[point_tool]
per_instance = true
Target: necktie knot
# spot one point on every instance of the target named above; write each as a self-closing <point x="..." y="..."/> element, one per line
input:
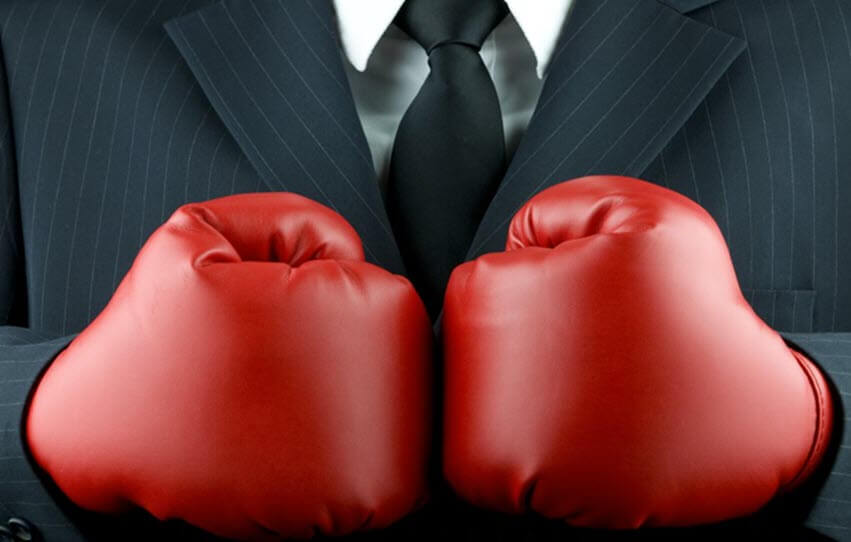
<point x="434" y="23"/>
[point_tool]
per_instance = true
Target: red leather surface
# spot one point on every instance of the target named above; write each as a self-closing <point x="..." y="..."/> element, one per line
<point x="251" y="375"/>
<point x="605" y="369"/>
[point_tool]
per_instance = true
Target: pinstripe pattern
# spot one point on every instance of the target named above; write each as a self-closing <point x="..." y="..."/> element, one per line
<point x="111" y="124"/>
<point x="22" y="355"/>
<point x="789" y="121"/>
<point x="302" y="138"/>
<point x="114" y="112"/>
<point x="625" y="80"/>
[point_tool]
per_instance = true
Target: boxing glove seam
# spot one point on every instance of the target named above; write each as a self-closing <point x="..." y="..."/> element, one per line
<point x="821" y="433"/>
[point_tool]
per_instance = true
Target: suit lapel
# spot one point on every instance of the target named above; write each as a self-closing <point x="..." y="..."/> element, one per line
<point x="685" y="6"/>
<point x="273" y="72"/>
<point x="626" y="76"/>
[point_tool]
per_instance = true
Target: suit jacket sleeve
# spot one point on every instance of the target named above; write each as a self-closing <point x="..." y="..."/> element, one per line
<point x="26" y="492"/>
<point x="828" y="495"/>
<point x="24" y="354"/>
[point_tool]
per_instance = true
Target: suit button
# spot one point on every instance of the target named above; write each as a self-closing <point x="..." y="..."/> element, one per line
<point x="20" y="529"/>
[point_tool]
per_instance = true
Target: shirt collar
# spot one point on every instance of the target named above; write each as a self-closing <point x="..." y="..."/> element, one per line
<point x="363" y="23"/>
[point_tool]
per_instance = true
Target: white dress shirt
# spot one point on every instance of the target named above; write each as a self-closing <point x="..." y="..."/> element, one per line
<point x="386" y="68"/>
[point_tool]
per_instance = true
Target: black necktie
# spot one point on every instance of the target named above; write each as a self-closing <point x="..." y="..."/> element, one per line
<point x="449" y="152"/>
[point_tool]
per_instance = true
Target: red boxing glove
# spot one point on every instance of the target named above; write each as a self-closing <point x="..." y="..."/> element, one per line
<point x="607" y="371"/>
<point x="252" y="375"/>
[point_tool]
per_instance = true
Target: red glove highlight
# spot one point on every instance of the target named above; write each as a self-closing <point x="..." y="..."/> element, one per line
<point x="252" y="375"/>
<point x="606" y="369"/>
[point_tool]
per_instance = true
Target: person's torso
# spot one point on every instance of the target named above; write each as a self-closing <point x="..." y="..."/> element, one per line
<point x="113" y="131"/>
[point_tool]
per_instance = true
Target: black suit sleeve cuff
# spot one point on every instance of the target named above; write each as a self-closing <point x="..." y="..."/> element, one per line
<point x="824" y="502"/>
<point x="25" y="493"/>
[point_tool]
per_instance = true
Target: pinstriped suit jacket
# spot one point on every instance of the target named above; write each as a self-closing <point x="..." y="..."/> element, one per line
<point x="115" y="112"/>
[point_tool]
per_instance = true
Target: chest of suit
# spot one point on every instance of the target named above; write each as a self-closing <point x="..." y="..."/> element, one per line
<point x="123" y="111"/>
